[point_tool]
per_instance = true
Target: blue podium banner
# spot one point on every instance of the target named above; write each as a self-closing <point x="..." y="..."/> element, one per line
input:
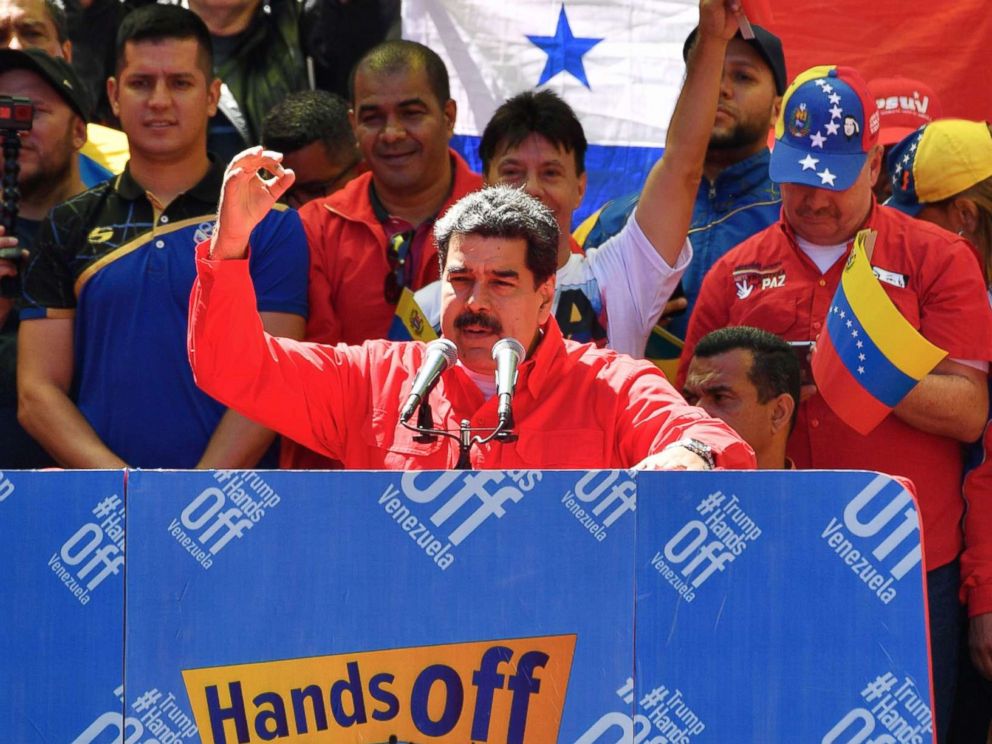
<point x="780" y="609"/>
<point x="520" y="607"/>
<point x="277" y="598"/>
<point x="60" y="650"/>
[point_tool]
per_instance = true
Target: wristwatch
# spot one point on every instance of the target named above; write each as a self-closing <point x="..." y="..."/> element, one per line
<point x="697" y="448"/>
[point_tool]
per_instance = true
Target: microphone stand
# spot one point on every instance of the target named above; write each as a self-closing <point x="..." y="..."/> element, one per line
<point x="465" y="436"/>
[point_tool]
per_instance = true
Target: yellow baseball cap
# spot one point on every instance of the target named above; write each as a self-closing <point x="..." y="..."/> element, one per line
<point x="938" y="161"/>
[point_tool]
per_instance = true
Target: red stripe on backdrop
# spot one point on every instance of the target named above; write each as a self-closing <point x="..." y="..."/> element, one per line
<point x="759" y="11"/>
<point x="855" y="406"/>
<point x="944" y="44"/>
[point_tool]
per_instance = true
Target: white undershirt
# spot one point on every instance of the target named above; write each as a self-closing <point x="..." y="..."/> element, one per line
<point x="485" y="382"/>
<point x="824" y="256"/>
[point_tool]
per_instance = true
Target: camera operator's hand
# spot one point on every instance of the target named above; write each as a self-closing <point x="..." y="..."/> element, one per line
<point x="9" y="253"/>
<point x="9" y="267"/>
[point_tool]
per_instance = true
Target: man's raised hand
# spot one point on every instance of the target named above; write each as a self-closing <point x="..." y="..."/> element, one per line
<point x="246" y="197"/>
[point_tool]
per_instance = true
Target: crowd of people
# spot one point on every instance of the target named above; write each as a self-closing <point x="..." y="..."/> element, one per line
<point x="212" y="240"/>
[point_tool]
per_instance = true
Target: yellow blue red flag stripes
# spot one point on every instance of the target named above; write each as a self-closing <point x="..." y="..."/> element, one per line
<point x="410" y="323"/>
<point x="869" y="356"/>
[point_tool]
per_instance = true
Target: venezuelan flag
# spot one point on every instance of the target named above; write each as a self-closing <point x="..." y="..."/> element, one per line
<point x="869" y="356"/>
<point x="410" y="323"/>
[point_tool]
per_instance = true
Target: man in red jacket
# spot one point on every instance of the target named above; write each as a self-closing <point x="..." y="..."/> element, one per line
<point x="373" y="237"/>
<point x="498" y="254"/>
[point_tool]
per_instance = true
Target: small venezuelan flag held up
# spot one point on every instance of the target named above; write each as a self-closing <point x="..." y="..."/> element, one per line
<point x="409" y="322"/>
<point x="869" y="356"/>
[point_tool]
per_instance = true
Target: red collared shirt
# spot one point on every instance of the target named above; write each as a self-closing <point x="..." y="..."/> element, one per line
<point x="348" y="260"/>
<point x="344" y="401"/>
<point x="768" y="282"/>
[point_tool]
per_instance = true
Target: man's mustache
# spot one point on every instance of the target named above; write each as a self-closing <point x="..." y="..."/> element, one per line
<point x="481" y="320"/>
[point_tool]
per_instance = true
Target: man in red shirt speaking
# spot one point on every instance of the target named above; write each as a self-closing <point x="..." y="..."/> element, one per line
<point x="574" y="406"/>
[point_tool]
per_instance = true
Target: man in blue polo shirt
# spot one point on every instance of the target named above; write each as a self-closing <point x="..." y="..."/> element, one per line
<point x="105" y="297"/>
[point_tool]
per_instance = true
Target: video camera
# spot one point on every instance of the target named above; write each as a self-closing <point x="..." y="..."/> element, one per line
<point x="16" y="116"/>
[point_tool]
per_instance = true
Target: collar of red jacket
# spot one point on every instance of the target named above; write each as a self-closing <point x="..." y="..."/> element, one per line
<point x="548" y="362"/>
<point x="353" y="203"/>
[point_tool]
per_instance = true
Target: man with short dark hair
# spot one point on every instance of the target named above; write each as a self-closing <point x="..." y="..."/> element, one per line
<point x="48" y="174"/>
<point x="372" y="238"/>
<point x="750" y="379"/>
<point x="736" y="198"/>
<point x="499" y="252"/>
<point x="106" y="296"/>
<point x="312" y="131"/>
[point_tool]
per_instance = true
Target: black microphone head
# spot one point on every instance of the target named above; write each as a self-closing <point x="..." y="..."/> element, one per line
<point x="447" y="348"/>
<point x="509" y="344"/>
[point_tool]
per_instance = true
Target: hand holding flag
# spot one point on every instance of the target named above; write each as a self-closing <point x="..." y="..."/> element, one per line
<point x="869" y="356"/>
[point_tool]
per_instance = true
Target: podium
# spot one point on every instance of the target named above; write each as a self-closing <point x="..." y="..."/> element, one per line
<point x="520" y="607"/>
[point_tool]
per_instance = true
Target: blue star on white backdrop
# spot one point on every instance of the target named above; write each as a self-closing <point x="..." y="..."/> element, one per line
<point x="564" y="51"/>
<point x="618" y="63"/>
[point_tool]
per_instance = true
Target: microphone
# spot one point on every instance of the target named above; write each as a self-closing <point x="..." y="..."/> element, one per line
<point x="441" y="354"/>
<point x="508" y="353"/>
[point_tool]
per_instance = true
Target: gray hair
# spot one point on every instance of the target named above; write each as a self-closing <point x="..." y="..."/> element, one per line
<point x="504" y="212"/>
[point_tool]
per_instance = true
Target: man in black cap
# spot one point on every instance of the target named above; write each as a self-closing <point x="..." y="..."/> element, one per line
<point x="736" y="197"/>
<point x="49" y="174"/>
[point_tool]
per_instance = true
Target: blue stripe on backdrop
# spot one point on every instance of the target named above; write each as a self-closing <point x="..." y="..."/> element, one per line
<point x="613" y="170"/>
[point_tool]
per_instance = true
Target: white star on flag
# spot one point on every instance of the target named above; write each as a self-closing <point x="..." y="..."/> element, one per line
<point x="817" y="139"/>
<point x="827" y="178"/>
<point x="899" y="169"/>
<point x="834" y="98"/>
<point x="912" y="148"/>
<point x="861" y="357"/>
<point x="835" y="112"/>
<point x="905" y="159"/>
<point x="861" y="370"/>
<point x="843" y="314"/>
<point x="820" y="82"/>
<point x="828" y="89"/>
<point x="854" y="334"/>
<point x="809" y="162"/>
<point x="859" y="344"/>
<point x="832" y="127"/>
<point x="850" y="323"/>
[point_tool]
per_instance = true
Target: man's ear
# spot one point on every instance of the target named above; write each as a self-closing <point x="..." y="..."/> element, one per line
<point x="112" y="96"/>
<point x="782" y="407"/>
<point x="546" y="291"/>
<point x="875" y="162"/>
<point x="78" y="132"/>
<point x="776" y="110"/>
<point x="213" y="95"/>
<point x="450" y="110"/>
<point x="583" y="181"/>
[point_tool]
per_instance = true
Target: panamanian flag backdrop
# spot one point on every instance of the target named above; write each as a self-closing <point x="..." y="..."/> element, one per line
<point x="618" y="63"/>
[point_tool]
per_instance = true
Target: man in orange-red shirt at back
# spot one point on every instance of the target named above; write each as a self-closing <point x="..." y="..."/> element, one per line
<point x="373" y="238"/>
